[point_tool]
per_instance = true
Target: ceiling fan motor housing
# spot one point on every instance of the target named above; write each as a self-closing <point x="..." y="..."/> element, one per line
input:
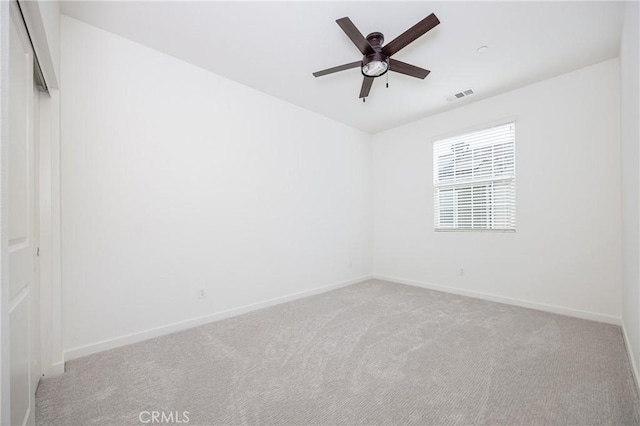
<point x="375" y="40"/>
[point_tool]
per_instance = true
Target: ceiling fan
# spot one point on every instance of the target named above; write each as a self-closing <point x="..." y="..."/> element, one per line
<point x="377" y="59"/>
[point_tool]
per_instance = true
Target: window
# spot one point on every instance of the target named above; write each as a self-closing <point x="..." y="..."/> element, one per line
<point x="475" y="180"/>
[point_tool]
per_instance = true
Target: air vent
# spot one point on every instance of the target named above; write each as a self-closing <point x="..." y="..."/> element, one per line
<point x="460" y="95"/>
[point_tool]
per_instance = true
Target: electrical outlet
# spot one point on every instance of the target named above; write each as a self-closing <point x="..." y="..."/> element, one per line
<point x="202" y="293"/>
<point x="461" y="271"/>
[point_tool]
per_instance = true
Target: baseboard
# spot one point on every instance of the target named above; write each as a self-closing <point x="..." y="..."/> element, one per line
<point x="56" y="369"/>
<point x="104" y="345"/>
<point x="632" y="359"/>
<point x="507" y="300"/>
<point x="52" y="370"/>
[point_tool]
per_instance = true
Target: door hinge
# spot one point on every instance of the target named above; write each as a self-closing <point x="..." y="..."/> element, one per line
<point x="38" y="251"/>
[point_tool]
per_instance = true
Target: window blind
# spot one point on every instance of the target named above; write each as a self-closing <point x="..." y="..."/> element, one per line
<point x="475" y="180"/>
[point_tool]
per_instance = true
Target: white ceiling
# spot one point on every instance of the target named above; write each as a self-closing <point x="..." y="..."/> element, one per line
<point x="275" y="46"/>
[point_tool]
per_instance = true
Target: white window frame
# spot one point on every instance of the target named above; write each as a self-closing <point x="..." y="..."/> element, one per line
<point x="471" y="183"/>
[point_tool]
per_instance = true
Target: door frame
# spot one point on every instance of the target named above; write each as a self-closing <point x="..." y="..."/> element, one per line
<point x="49" y="191"/>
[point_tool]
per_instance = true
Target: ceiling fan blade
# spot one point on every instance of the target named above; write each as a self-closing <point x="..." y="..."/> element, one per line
<point x="338" y="68"/>
<point x="407" y="69"/>
<point x="410" y="35"/>
<point x="355" y="35"/>
<point x="366" y="86"/>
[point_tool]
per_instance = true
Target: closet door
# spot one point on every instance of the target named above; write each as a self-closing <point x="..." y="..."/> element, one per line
<point x="24" y="357"/>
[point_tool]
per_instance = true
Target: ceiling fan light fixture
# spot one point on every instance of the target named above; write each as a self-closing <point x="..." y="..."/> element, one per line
<point x="375" y="68"/>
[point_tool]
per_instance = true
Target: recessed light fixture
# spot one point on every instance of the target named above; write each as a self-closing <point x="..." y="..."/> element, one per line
<point x="482" y="49"/>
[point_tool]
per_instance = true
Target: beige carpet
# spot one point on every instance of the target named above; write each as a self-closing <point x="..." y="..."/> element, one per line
<point x="370" y="353"/>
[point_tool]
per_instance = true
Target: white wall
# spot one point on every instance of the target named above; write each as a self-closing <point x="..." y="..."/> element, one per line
<point x="174" y="178"/>
<point x="566" y="251"/>
<point x="630" y="137"/>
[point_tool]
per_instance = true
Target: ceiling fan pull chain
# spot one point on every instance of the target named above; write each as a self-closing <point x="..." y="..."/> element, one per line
<point x="388" y="69"/>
